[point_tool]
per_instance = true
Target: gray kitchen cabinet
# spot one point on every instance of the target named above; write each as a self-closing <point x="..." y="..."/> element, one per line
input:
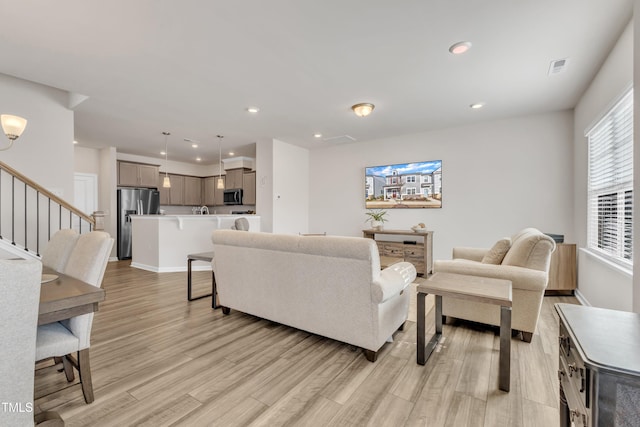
<point x="192" y="191"/>
<point x="249" y="188"/>
<point x="176" y="192"/>
<point x="209" y="185"/>
<point x="233" y="178"/>
<point x="164" y="192"/>
<point x="137" y="175"/>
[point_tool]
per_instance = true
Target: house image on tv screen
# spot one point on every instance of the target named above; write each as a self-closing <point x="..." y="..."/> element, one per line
<point x="406" y="185"/>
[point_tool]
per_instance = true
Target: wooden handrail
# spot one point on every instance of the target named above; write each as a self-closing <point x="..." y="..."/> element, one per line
<point x="47" y="193"/>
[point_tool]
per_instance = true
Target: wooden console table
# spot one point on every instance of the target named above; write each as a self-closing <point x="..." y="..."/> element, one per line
<point x="417" y="248"/>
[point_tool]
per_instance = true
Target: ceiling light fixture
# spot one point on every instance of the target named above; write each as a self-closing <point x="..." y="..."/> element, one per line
<point x="220" y="183"/>
<point x="194" y="145"/>
<point x="166" y="182"/>
<point x="13" y="126"/>
<point x="363" y="109"/>
<point x="477" y="105"/>
<point x="75" y="142"/>
<point x="460" y="48"/>
<point x="253" y="109"/>
<point x="198" y="159"/>
<point x="317" y="135"/>
<point x="231" y="153"/>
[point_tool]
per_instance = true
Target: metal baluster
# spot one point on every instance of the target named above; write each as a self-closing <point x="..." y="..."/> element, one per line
<point x="70" y="219"/>
<point x="80" y="225"/>
<point x="26" y="240"/>
<point x="13" y="210"/>
<point x="37" y="222"/>
<point x="48" y="219"/>
<point x="59" y="217"/>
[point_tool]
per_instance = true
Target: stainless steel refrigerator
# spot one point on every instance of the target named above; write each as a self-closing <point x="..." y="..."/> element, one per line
<point x="133" y="201"/>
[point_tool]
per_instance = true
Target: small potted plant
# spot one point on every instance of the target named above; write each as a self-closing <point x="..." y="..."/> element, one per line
<point x="376" y="218"/>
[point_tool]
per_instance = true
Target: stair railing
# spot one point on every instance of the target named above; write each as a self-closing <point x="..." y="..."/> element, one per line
<point x="30" y="214"/>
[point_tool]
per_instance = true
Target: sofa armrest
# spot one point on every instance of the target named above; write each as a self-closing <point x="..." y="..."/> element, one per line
<point x="392" y="281"/>
<point x="521" y="278"/>
<point x="473" y="254"/>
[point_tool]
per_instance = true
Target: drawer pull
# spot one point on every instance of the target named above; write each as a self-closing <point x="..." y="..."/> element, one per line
<point x="572" y="369"/>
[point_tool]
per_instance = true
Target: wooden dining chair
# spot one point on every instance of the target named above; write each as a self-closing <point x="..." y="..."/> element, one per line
<point x="56" y="254"/>
<point x="87" y="262"/>
<point x="19" y="300"/>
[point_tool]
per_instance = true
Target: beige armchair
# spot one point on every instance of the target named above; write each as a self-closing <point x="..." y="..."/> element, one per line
<point x="524" y="259"/>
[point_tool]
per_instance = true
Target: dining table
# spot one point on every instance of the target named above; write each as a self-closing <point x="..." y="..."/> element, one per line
<point x="63" y="297"/>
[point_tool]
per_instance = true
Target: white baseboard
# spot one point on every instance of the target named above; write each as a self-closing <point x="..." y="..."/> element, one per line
<point x="155" y="269"/>
<point x="581" y="298"/>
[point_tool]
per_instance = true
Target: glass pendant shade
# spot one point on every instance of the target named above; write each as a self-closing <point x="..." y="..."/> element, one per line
<point x="220" y="184"/>
<point x="166" y="182"/>
<point x="13" y="126"/>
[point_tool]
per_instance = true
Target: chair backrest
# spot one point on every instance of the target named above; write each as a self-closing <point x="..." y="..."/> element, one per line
<point x="241" y="224"/>
<point x="89" y="257"/>
<point x="19" y="300"/>
<point x="87" y="262"/>
<point x="56" y="254"/>
<point x="530" y="248"/>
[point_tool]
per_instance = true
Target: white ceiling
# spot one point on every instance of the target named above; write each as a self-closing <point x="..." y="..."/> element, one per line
<point x="192" y="67"/>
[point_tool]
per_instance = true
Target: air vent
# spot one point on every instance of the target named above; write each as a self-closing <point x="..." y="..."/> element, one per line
<point x="339" y="139"/>
<point x="557" y="66"/>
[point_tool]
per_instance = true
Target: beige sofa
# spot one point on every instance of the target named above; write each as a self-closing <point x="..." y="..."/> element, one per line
<point x="527" y="255"/>
<point x="330" y="286"/>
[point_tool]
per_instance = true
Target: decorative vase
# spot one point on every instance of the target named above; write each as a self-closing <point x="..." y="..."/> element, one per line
<point x="376" y="225"/>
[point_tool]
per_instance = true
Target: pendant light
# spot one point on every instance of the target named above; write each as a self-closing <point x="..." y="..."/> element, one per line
<point x="220" y="183"/>
<point x="166" y="182"/>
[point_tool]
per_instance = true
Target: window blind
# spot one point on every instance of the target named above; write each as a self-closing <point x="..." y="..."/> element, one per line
<point x="610" y="182"/>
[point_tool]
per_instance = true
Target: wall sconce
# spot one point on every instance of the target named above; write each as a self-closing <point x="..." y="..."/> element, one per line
<point x="166" y="182"/>
<point x="13" y="126"/>
<point x="363" y="109"/>
<point x="220" y="183"/>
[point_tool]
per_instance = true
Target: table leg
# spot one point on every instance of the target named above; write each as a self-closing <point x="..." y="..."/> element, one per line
<point x="425" y="350"/>
<point x="504" y="374"/>
<point x="189" y="261"/>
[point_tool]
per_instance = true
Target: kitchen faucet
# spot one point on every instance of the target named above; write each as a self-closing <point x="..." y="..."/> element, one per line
<point x="203" y="210"/>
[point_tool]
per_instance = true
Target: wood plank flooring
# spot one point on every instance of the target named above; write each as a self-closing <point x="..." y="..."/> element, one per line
<point x="157" y="359"/>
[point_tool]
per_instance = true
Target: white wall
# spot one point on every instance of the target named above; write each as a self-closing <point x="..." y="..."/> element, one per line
<point x="290" y="188"/>
<point x="599" y="283"/>
<point x="636" y="153"/>
<point x="86" y="160"/>
<point x="497" y="177"/>
<point x="264" y="183"/>
<point x="44" y="152"/>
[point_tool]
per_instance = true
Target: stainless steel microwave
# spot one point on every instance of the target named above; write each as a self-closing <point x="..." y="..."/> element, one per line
<point x="233" y="196"/>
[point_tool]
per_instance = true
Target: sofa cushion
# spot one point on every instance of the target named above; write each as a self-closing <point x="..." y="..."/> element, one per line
<point x="496" y="254"/>
<point x="530" y="249"/>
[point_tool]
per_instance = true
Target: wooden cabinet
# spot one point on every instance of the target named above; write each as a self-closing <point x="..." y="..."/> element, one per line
<point x="249" y="188"/>
<point x="176" y="192"/>
<point x="417" y="249"/>
<point x="209" y="188"/>
<point x="137" y="175"/>
<point x="233" y="178"/>
<point x="192" y="191"/>
<point x="562" y="270"/>
<point x="218" y="195"/>
<point x="164" y="192"/>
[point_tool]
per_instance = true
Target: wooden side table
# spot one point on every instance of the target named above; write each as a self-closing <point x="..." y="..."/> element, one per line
<point x="472" y="288"/>
<point x="562" y="270"/>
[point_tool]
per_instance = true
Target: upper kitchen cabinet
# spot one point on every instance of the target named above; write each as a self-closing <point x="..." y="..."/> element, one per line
<point x="249" y="188"/>
<point x="209" y="188"/>
<point x="137" y="175"/>
<point x="233" y="178"/>
<point x="192" y="191"/>
<point x="218" y="193"/>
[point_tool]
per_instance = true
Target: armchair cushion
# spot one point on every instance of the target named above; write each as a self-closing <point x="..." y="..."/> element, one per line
<point x="497" y="252"/>
<point x="473" y="254"/>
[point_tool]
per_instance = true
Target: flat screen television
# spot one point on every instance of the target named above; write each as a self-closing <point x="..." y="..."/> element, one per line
<point x="404" y="185"/>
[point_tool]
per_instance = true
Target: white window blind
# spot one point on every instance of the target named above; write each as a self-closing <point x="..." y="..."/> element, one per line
<point x="610" y="183"/>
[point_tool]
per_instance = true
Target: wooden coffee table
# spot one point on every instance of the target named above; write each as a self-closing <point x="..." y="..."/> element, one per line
<point x="472" y="288"/>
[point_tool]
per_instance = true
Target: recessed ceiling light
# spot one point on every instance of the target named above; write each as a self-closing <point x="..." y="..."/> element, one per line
<point x="460" y="48"/>
<point x="75" y="142"/>
<point x="253" y="109"/>
<point x="231" y="153"/>
<point x="317" y="135"/>
<point x="194" y="145"/>
<point x="198" y="159"/>
<point x="162" y="153"/>
<point x="477" y="105"/>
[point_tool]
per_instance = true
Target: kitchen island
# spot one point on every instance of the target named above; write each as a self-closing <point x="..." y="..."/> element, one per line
<point x="161" y="243"/>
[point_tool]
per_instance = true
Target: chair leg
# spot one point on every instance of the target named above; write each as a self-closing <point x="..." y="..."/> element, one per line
<point x="401" y="328"/>
<point x="68" y="368"/>
<point x="84" y="371"/>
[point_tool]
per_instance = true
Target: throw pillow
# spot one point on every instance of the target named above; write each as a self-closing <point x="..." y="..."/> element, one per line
<point x="497" y="252"/>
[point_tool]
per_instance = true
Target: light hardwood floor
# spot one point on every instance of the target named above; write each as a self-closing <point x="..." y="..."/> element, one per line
<point x="157" y="359"/>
